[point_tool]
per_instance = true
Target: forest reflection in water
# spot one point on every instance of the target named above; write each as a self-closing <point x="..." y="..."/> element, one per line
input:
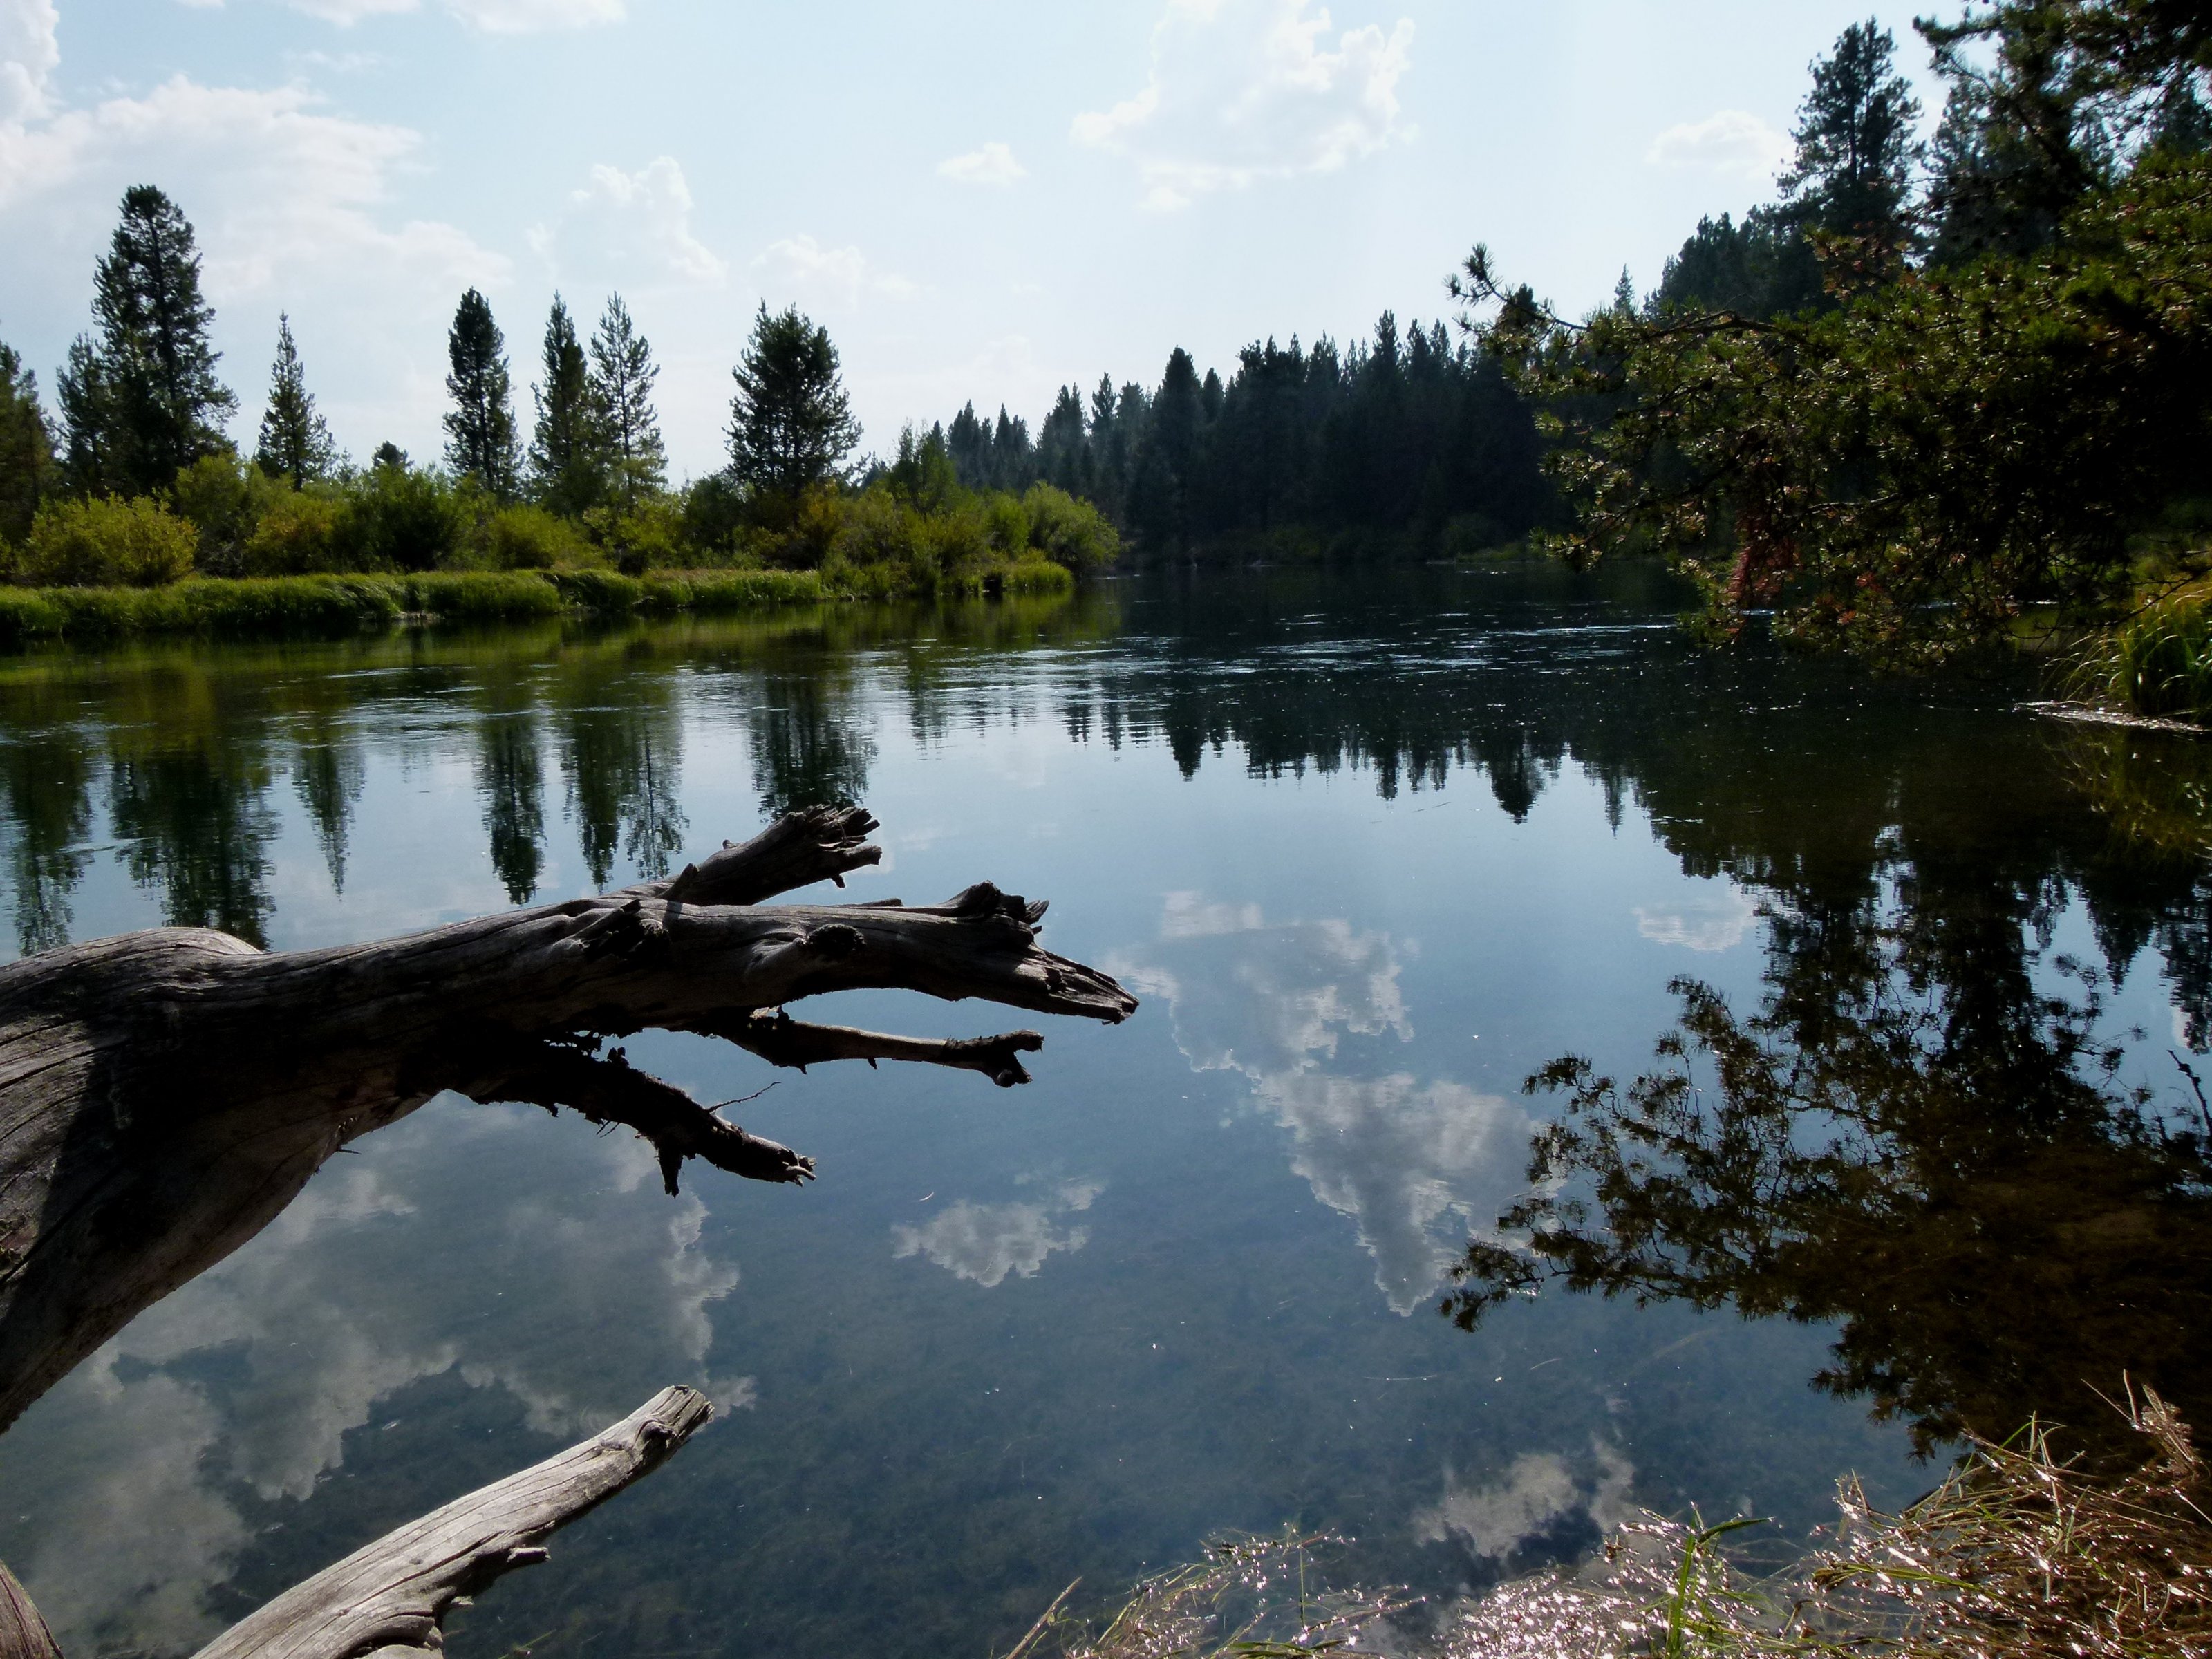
<point x="1904" y="1135"/>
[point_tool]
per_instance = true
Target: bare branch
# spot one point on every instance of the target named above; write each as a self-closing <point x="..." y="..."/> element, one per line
<point x="612" y="1091"/>
<point x="390" y="1597"/>
<point x="816" y="843"/>
<point x="782" y="1041"/>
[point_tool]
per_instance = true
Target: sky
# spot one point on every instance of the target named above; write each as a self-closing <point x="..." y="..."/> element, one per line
<point x="980" y="198"/>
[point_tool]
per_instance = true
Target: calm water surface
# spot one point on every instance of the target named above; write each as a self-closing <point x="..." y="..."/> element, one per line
<point x="1372" y="848"/>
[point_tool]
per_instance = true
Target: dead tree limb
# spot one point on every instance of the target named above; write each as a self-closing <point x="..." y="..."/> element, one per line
<point x="390" y="1598"/>
<point x="782" y="1041"/>
<point x="23" y="1634"/>
<point x="164" y="1094"/>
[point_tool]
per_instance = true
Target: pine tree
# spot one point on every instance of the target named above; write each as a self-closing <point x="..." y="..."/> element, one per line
<point x="26" y="447"/>
<point x="1855" y="143"/>
<point x="791" y="423"/>
<point x="88" y="466"/>
<point x="622" y="373"/>
<point x="565" y="464"/>
<point x="480" y="440"/>
<point x="139" y="397"/>
<point x="295" y="442"/>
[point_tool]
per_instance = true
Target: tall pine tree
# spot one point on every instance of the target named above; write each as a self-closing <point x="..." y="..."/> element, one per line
<point x="26" y="447"/>
<point x="791" y="424"/>
<point x="622" y="373"/>
<point x="1856" y="140"/>
<point x="139" y="395"/>
<point x="480" y="441"/>
<point x="567" y="471"/>
<point x="295" y="442"/>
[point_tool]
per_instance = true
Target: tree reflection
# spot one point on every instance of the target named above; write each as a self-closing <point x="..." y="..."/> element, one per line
<point x="196" y="825"/>
<point x="511" y="780"/>
<point x="1953" y="1173"/>
<point x="807" y="750"/>
<point x="622" y="752"/>
<point x="327" y="775"/>
<point x="45" y="779"/>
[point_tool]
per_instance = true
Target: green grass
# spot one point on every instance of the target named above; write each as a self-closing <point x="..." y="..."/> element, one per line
<point x="336" y="605"/>
<point x="2158" y="661"/>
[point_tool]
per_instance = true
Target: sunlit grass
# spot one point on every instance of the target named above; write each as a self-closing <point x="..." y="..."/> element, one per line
<point x="2158" y="661"/>
<point x="2021" y="1552"/>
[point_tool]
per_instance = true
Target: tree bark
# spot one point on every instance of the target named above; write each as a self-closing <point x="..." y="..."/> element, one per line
<point x="164" y="1094"/>
<point x="390" y="1598"/>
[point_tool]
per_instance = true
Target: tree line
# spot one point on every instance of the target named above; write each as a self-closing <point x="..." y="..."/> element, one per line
<point x="1408" y="441"/>
<point x="1934" y="391"/>
<point x="134" y="478"/>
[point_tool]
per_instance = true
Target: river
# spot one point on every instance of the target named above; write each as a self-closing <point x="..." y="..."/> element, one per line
<point x="1373" y="846"/>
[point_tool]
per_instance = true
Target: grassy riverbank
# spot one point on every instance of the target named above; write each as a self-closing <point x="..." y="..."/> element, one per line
<point x="325" y="606"/>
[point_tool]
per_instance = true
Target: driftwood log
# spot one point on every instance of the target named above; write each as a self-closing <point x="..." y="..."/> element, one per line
<point x="164" y="1095"/>
<point x="390" y="1597"/>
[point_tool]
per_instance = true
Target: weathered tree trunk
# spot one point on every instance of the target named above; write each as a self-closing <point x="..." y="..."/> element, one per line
<point x="390" y="1598"/>
<point x="164" y="1095"/>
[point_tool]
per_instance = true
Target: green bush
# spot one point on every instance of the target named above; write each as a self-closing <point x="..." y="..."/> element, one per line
<point x="298" y="534"/>
<point x="1069" y="532"/>
<point x="647" y="536"/>
<point x="713" y="510"/>
<point x="529" y="539"/>
<point x="397" y="519"/>
<point x="1005" y="524"/>
<point x="224" y="499"/>
<point x="106" y="542"/>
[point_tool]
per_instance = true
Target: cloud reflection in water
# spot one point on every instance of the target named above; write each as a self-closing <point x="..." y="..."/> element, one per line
<point x="1416" y="1166"/>
<point x="986" y="1242"/>
<point x="390" y="1269"/>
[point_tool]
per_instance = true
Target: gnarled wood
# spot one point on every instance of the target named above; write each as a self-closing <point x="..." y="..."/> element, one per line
<point x="164" y="1095"/>
<point x="392" y="1596"/>
<point x="23" y="1634"/>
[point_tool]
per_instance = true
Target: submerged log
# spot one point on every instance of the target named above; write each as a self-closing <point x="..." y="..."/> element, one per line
<point x="164" y="1094"/>
<point x="391" y="1598"/>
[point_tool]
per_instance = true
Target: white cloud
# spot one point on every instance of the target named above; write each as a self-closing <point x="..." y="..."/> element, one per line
<point x="492" y="16"/>
<point x="1244" y="90"/>
<point x="987" y="1242"/>
<point x="1734" y="140"/>
<point x="273" y="185"/>
<point x="28" y="53"/>
<point x="346" y="13"/>
<point x="994" y="164"/>
<point x="623" y="225"/>
<point x="288" y="201"/>
<point x="804" y="265"/>
<point x="1715" y="916"/>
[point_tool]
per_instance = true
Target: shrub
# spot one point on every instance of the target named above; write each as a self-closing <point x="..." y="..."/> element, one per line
<point x="649" y="534"/>
<point x="529" y="538"/>
<point x="1068" y="531"/>
<point x="297" y="535"/>
<point x="106" y="542"/>
<point x="713" y="510"/>
<point x="397" y="519"/>
<point x="224" y="499"/>
<point x="1006" y="524"/>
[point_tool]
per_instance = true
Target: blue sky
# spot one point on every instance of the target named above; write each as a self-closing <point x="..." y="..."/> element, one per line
<point x="981" y="199"/>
